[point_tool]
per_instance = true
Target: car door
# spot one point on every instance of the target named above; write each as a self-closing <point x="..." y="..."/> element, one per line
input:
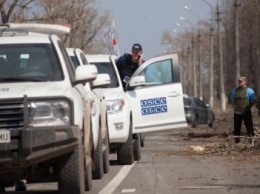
<point x="158" y="104"/>
<point x="203" y="111"/>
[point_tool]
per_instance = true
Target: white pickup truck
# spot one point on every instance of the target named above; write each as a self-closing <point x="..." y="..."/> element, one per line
<point x="153" y="102"/>
<point x="44" y="108"/>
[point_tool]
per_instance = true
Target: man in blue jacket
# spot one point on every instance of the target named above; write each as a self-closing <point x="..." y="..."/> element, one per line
<point x="128" y="63"/>
<point x="243" y="98"/>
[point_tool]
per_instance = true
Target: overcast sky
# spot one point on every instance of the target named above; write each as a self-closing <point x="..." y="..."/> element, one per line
<point x="144" y="21"/>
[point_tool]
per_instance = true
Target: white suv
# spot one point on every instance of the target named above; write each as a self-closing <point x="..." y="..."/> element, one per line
<point x="98" y="113"/>
<point x="45" y="114"/>
<point x="118" y="108"/>
<point x="141" y="108"/>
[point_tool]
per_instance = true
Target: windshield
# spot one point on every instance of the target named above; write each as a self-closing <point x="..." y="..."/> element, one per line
<point x="29" y="62"/>
<point x="106" y="67"/>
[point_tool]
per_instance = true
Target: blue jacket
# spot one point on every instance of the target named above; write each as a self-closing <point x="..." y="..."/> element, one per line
<point x="126" y="67"/>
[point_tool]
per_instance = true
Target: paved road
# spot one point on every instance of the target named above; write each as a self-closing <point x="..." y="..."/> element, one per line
<point x="166" y="169"/>
<point x="170" y="166"/>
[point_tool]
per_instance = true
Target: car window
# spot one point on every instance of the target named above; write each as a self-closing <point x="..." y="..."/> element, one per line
<point x="29" y="61"/>
<point x="199" y="102"/>
<point x="187" y="101"/>
<point x="107" y="67"/>
<point x="74" y="61"/>
<point x="158" y="73"/>
<point x="83" y="59"/>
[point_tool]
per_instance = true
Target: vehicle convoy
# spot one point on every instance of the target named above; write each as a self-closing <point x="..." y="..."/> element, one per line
<point x="99" y="131"/>
<point x="141" y="108"/>
<point x="45" y="111"/>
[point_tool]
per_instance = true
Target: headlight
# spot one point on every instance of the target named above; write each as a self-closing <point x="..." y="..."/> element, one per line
<point x="115" y="106"/>
<point x="49" y="113"/>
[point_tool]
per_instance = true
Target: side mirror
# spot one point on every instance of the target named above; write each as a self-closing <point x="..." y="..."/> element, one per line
<point x="101" y="81"/>
<point x="85" y="73"/>
<point x="137" y="81"/>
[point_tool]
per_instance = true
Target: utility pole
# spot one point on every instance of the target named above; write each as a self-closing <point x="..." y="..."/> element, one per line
<point x="200" y="72"/>
<point x="211" y="77"/>
<point x="221" y="69"/>
<point x="195" y="94"/>
<point x="211" y="66"/>
<point x="194" y="68"/>
<point x="189" y="72"/>
<point x="200" y="68"/>
<point x="237" y="50"/>
<point x="182" y="62"/>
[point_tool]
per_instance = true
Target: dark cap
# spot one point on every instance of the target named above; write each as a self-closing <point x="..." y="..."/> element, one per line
<point x="137" y="47"/>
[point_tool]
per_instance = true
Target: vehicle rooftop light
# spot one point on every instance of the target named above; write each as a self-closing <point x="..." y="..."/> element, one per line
<point x="38" y="28"/>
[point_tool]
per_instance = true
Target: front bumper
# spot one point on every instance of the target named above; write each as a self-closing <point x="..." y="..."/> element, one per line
<point x="118" y="128"/>
<point x="31" y="146"/>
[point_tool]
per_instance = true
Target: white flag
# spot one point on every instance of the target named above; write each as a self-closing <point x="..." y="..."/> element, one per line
<point x="112" y="40"/>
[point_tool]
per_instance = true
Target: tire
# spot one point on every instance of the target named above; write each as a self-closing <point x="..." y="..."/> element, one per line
<point x="106" y="154"/>
<point x="136" y="148"/>
<point x="71" y="172"/>
<point x="211" y="122"/>
<point x="98" y="171"/>
<point x="125" y="155"/>
<point x="142" y="139"/>
<point x="195" y="123"/>
<point x="88" y="160"/>
<point x="88" y="174"/>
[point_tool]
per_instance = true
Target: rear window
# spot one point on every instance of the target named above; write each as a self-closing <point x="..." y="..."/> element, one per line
<point x="29" y="61"/>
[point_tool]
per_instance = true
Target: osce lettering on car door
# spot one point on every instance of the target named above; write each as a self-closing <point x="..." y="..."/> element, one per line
<point x="156" y="95"/>
<point x="154" y="106"/>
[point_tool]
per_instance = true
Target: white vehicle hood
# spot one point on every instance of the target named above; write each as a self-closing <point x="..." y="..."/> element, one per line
<point x="32" y="89"/>
<point x="112" y="93"/>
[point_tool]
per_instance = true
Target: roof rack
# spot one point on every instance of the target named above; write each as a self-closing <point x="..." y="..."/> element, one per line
<point x="37" y="28"/>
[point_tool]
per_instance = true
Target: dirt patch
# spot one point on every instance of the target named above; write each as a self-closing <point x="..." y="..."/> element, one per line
<point x="217" y="141"/>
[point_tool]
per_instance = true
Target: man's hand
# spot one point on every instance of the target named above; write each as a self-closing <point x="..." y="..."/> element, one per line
<point x="137" y="57"/>
<point x="140" y="58"/>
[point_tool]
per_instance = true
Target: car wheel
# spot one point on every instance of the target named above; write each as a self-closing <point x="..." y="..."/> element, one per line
<point x="88" y="174"/>
<point x="71" y="172"/>
<point x="195" y="122"/>
<point x="106" y="154"/>
<point x="98" y="171"/>
<point x="142" y="137"/>
<point x="125" y="154"/>
<point x="136" y="148"/>
<point x="211" y="122"/>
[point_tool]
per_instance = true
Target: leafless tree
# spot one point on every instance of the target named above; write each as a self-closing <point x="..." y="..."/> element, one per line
<point x="249" y="46"/>
<point x="87" y="24"/>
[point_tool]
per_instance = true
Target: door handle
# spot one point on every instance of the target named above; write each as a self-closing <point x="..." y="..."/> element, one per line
<point x="173" y="94"/>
